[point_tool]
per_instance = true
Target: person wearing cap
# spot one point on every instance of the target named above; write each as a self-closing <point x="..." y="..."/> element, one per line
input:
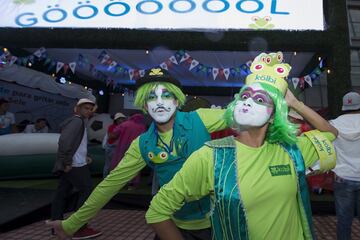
<point x="347" y="170"/>
<point x="171" y="138"/>
<point x="111" y="141"/>
<point x="257" y="179"/>
<point x="7" y="119"/>
<point x="72" y="164"/>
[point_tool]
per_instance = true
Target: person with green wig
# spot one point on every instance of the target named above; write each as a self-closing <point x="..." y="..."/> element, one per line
<point x="256" y="180"/>
<point x="168" y="142"/>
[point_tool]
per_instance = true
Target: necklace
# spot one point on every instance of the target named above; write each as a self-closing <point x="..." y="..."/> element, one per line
<point x="167" y="148"/>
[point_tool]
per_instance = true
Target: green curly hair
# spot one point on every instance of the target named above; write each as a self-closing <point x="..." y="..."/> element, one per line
<point x="143" y="92"/>
<point x="281" y="130"/>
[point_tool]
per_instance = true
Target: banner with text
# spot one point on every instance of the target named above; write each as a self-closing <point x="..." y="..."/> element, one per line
<point x="165" y="14"/>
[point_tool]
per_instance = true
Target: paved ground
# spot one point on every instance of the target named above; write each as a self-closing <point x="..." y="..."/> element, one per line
<point x="130" y="225"/>
<point x="115" y="224"/>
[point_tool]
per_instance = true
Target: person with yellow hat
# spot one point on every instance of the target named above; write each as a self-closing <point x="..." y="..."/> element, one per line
<point x="256" y="180"/>
<point x="171" y="138"/>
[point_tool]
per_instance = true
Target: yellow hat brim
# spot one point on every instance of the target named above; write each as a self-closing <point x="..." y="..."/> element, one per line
<point x="274" y="81"/>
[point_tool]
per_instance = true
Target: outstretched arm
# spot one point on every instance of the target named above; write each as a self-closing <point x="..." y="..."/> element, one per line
<point x="130" y="165"/>
<point x="309" y="115"/>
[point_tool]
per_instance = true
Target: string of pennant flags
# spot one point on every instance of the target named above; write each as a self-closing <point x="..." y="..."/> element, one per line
<point x="106" y="64"/>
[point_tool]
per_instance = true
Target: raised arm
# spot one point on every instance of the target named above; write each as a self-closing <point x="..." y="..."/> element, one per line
<point x="212" y="119"/>
<point x="309" y="115"/>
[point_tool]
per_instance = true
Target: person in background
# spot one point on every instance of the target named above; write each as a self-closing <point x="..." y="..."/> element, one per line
<point x="110" y="141"/>
<point x="7" y="119"/>
<point x="72" y="164"/>
<point x="347" y="170"/>
<point x="171" y="138"/>
<point x="257" y="179"/>
<point x="40" y="126"/>
<point x="126" y="133"/>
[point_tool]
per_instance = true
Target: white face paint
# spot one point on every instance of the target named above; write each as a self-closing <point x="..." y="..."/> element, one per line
<point x="161" y="104"/>
<point x="254" y="108"/>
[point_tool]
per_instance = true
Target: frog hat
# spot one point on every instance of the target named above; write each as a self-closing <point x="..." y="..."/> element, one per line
<point x="270" y="72"/>
<point x="269" y="69"/>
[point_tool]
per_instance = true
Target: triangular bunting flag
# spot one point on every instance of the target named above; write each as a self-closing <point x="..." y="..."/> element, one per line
<point x="295" y="82"/>
<point x="173" y="59"/>
<point x="47" y="61"/>
<point x="215" y="72"/>
<point x="164" y="66"/>
<point x="59" y="66"/>
<point x="226" y="73"/>
<point x="136" y="74"/>
<point x="193" y="64"/>
<point x="308" y="79"/>
<point x="105" y="59"/>
<point x="131" y="74"/>
<point x="185" y="57"/>
<point x="40" y="52"/>
<point x="317" y="71"/>
<point x="112" y="65"/>
<point x="51" y="65"/>
<point x="302" y="83"/>
<point x="12" y="60"/>
<point x="66" y="68"/>
<point x="72" y="66"/>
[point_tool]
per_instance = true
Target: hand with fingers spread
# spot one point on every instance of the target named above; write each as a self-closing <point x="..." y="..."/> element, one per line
<point x="59" y="231"/>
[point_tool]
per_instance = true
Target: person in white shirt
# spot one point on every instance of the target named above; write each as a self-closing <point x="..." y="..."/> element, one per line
<point x="7" y="119"/>
<point x="72" y="164"/>
<point x="347" y="170"/>
<point x="40" y="126"/>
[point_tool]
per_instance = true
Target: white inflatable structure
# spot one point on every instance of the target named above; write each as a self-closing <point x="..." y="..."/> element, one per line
<point x="28" y="143"/>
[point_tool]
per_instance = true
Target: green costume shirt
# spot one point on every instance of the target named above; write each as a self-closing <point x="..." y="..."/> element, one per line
<point x="128" y="168"/>
<point x="267" y="181"/>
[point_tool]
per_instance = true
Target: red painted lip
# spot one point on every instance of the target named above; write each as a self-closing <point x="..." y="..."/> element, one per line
<point x="245" y="110"/>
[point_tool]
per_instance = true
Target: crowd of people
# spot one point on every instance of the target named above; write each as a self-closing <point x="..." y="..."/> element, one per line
<point x="8" y="122"/>
<point x="251" y="173"/>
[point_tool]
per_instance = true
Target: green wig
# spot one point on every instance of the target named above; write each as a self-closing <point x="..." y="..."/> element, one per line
<point x="144" y="91"/>
<point x="280" y="130"/>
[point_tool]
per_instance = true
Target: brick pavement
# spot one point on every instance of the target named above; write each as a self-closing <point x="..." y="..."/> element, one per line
<point x="130" y="225"/>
